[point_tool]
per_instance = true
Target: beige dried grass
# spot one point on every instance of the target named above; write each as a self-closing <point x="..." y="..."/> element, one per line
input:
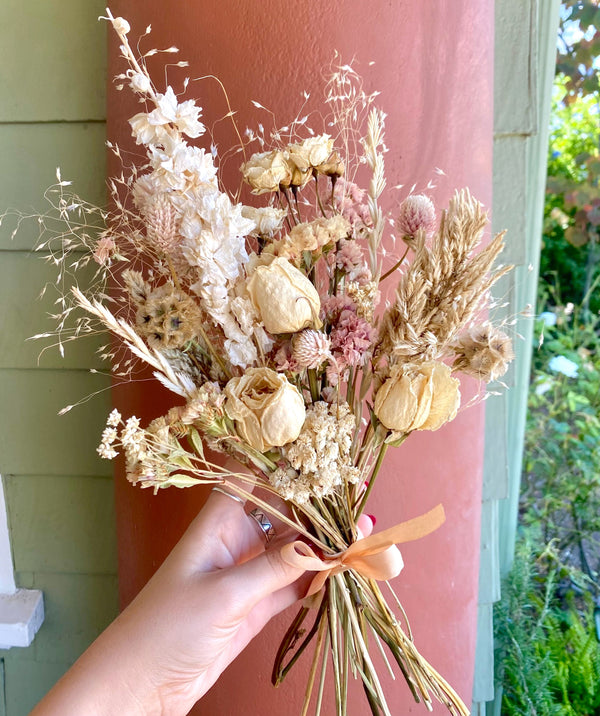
<point x="444" y="286"/>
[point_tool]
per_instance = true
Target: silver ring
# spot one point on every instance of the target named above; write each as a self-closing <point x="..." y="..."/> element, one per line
<point x="264" y="523"/>
<point x="216" y="488"/>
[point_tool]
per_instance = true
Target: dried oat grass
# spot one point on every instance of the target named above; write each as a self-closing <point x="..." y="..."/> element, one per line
<point x="444" y="287"/>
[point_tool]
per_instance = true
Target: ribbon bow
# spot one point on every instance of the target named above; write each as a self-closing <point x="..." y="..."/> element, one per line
<point x="374" y="557"/>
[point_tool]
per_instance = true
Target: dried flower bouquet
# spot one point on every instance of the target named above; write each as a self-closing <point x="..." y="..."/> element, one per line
<point x="263" y="320"/>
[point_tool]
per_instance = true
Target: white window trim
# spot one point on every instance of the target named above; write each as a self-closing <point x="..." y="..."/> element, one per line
<point x="21" y="610"/>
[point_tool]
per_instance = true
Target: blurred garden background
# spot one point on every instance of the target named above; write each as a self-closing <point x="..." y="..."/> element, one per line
<point x="547" y="625"/>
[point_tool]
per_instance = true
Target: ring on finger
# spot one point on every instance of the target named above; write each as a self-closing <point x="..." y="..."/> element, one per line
<point x="223" y="491"/>
<point x="264" y="523"/>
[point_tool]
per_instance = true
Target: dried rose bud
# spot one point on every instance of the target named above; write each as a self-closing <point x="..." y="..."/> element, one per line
<point x="311" y="153"/>
<point x="310" y="348"/>
<point x="417" y="213"/>
<point x="121" y="26"/>
<point x="268" y="410"/>
<point x="285" y="299"/>
<point x="483" y="353"/>
<point x="417" y="397"/>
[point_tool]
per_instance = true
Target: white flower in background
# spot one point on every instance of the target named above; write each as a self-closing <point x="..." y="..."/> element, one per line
<point x="183" y="115"/>
<point x="543" y="384"/>
<point x="548" y="318"/>
<point x="157" y="126"/>
<point x="562" y="364"/>
<point x="147" y="133"/>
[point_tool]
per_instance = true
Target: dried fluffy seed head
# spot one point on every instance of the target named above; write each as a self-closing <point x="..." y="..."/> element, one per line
<point x="483" y="353"/>
<point x="168" y="318"/>
<point x="365" y="296"/>
<point x="310" y="348"/>
<point x="417" y="213"/>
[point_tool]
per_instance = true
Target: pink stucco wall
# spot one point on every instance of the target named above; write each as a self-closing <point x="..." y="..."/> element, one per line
<point x="432" y="62"/>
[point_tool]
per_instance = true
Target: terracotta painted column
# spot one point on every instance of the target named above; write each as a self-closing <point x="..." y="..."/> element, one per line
<point x="432" y="61"/>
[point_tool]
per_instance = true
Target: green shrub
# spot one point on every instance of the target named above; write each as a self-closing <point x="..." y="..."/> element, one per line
<point x="547" y="653"/>
<point x="561" y="481"/>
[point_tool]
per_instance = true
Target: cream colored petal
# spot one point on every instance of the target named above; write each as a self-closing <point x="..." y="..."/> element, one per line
<point x="286" y="300"/>
<point x="396" y="404"/>
<point x="283" y="417"/>
<point x="422" y="387"/>
<point x="446" y="396"/>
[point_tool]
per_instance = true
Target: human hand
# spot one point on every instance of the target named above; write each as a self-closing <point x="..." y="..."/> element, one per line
<point x="212" y="595"/>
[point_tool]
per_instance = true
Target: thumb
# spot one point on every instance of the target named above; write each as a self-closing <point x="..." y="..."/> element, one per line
<point x="259" y="577"/>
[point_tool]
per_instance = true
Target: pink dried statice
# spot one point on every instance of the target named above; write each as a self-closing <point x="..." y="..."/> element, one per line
<point x="350" y="259"/>
<point x="332" y="306"/>
<point x="350" y="200"/>
<point x="284" y="359"/>
<point x="351" y="336"/>
<point x="417" y="213"/>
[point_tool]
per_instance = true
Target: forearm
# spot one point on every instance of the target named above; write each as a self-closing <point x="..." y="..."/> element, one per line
<point x="109" y="679"/>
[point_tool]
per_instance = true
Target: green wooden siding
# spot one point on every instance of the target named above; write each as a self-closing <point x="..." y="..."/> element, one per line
<point x="59" y="494"/>
<point x="525" y="49"/>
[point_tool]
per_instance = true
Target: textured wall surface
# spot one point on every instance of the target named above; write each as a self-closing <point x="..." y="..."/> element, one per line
<point x="433" y="63"/>
<point x="59" y="495"/>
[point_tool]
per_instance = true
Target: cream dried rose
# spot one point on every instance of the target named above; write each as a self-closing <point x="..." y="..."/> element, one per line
<point x="266" y="171"/>
<point x="417" y="397"/>
<point x="284" y="297"/>
<point x="312" y="152"/>
<point x="268" y="410"/>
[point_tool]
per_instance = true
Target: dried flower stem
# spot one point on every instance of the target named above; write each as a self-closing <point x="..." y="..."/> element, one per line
<point x="380" y="455"/>
<point x="394" y="267"/>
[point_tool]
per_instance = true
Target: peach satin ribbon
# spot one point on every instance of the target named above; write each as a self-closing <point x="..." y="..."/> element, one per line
<point x="374" y="557"/>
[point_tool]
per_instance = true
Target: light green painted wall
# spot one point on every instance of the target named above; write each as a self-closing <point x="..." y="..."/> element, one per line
<point x="525" y="50"/>
<point x="59" y="494"/>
